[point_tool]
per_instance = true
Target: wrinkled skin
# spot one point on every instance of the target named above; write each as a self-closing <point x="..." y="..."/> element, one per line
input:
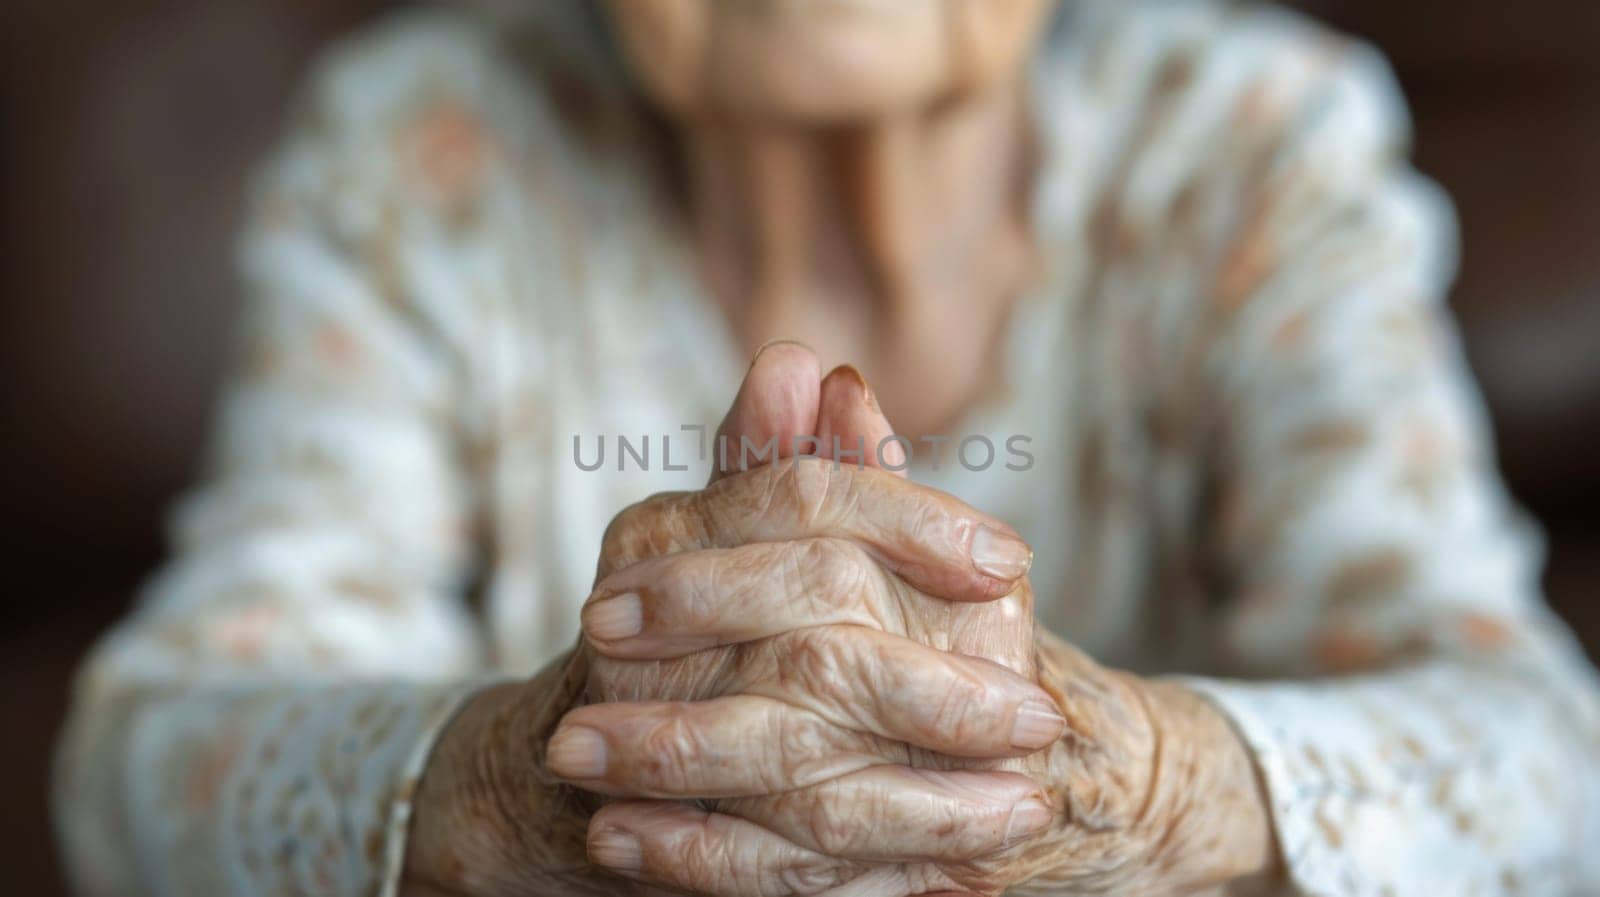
<point x="814" y="686"/>
<point x="820" y="696"/>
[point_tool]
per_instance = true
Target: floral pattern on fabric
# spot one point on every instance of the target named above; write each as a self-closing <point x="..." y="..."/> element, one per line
<point x="1261" y="463"/>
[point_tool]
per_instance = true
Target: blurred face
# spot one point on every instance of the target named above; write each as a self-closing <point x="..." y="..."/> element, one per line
<point x="821" y="61"/>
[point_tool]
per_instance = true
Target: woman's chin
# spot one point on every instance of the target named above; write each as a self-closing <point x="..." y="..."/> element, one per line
<point x="826" y="78"/>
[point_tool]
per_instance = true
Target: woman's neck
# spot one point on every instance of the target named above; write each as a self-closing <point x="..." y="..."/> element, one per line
<point x="861" y="239"/>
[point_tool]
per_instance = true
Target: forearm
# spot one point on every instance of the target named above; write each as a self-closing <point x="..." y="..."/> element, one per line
<point x="245" y="788"/>
<point x="1490" y="765"/>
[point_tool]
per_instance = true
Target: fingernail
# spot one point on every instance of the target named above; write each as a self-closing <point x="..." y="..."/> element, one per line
<point x="852" y="373"/>
<point x="1037" y="725"/>
<point x="614" y="618"/>
<point x="1000" y="555"/>
<point x="576" y="752"/>
<point x="615" y="849"/>
<point x="777" y="341"/>
<point x="860" y="379"/>
<point x="1027" y="819"/>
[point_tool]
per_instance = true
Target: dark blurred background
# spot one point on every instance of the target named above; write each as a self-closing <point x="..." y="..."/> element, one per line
<point x="129" y="125"/>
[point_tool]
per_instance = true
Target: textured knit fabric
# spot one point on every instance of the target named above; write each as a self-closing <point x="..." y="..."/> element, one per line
<point x="1258" y="459"/>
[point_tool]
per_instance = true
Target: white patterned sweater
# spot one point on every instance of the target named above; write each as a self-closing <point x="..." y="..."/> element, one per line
<point x="1260" y="461"/>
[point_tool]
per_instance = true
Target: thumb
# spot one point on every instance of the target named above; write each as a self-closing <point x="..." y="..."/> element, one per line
<point x="849" y="421"/>
<point x="776" y="403"/>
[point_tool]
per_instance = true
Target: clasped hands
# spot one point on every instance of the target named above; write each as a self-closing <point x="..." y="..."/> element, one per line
<point x="811" y="678"/>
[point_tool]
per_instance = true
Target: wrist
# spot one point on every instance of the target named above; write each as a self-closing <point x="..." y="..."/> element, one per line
<point x="1158" y="793"/>
<point x="488" y="818"/>
<point x="1207" y="797"/>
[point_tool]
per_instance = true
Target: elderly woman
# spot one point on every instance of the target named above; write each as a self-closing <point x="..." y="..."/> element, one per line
<point x="1174" y="273"/>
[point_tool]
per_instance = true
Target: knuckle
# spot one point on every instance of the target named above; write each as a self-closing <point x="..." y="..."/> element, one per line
<point x="730" y="581"/>
<point x="804" y="751"/>
<point x="984" y="876"/>
<point x="956" y="718"/>
<point x="786" y="871"/>
<point x="744" y="506"/>
<point x="617" y="537"/>
<point x="929" y="522"/>
<point x="808" y="488"/>
<point x="724" y="505"/>
<point x="844" y="571"/>
<point x="974" y="832"/>
<point x="629" y="534"/>
<point x="807" y="879"/>
<point x="724" y="862"/>
<point x="652" y="528"/>
<point x="791" y="497"/>
<point x="817" y="661"/>
<point x="669" y="753"/>
<point x="932" y="878"/>
<point x="830" y="834"/>
<point x="842" y="822"/>
<point x="829" y="575"/>
<point x="832" y="668"/>
<point x="689" y="585"/>
<point x="981" y="879"/>
<point x="706" y="855"/>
